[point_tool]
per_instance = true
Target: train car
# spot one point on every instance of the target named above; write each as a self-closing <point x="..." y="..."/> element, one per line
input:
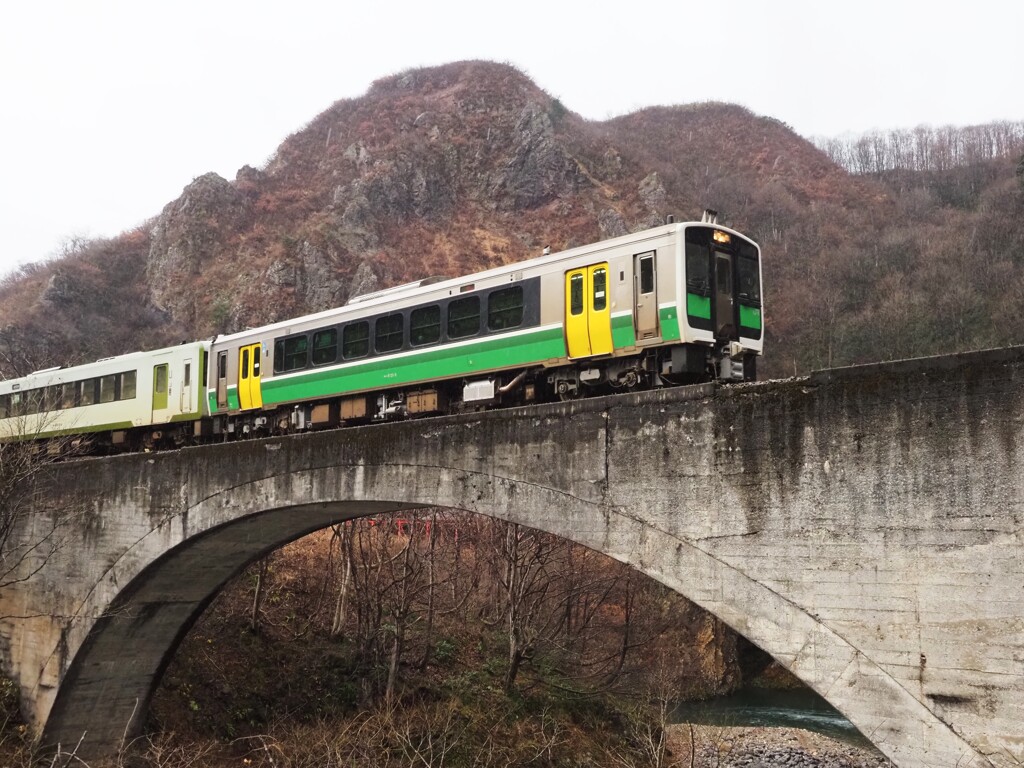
<point x="673" y="304"/>
<point x="141" y="399"/>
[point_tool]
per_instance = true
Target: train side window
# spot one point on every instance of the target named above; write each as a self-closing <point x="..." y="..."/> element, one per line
<point x="464" y="317"/>
<point x="296" y="353"/>
<point x="505" y="308"/>
<point x="355" y="340"/>
<point x="4" y="406"/>
<point x="425" y="325"/>
<point x="128" y="385"/>
<point x="647" y="274"/>
<point x="388" y="333"/>
<point x="325" y="346"/>
<point x="108" y="388"/>
<point x="88" y="393"/>
<point x="576" y="294"/>
<point x="69" y="395"/>
<point x="278" y="358"/>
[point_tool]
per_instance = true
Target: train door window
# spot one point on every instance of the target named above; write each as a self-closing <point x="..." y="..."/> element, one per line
<point x="128" y="385"/>
<point x="645" y="296"/>
<point x="160" y="387"/>
<point x="108" y="388"/>
<point x="185" y="399"/>
<point x="505" y="309"/>
<point x="464" y="317"/>
<point x="723" y="273"/>
<point x="244" y="372"/>
<point x="325" y="346"/>
<point x="425" y="325"/>
<point x="257" y="359"/>
<point x="15" y="408"/>
<point x="647" y="274"/>
<point x="296" y="355"/>
<point x="222" y="379"/>
<point x="355" y="340"/>
<point x="600" y="289"/>
<point x="576" y="294"/>
<point x="724" y="302"/>
<point x="387" y="333"/>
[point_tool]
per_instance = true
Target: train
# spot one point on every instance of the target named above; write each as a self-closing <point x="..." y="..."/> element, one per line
<point x="675" y="304"/>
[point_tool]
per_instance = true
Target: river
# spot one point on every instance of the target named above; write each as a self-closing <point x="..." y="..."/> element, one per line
<point x="797" y="708"/>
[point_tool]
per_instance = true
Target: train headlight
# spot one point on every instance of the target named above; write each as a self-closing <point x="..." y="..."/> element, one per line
<point x="721" y="237"/>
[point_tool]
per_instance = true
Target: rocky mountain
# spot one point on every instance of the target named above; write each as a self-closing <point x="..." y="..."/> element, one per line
<point x="456" y="168"/>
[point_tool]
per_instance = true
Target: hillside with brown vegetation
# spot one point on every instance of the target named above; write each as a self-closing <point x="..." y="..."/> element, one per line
<point x="873" y="249"/>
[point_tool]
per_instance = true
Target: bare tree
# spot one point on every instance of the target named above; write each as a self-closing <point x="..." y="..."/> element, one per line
<point x="26" y="545"/>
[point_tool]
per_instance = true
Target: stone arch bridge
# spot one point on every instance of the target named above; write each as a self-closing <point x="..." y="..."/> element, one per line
<point x="862" y="525"/>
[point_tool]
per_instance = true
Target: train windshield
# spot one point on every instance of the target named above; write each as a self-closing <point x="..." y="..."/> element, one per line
<point x="723" y="283"/>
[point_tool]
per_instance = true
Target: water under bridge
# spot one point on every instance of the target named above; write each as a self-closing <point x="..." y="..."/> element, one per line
<point x="861" y="525"/>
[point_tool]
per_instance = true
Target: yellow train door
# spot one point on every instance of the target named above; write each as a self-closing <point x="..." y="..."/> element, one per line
<point x="588" y="314"/>
<point x="249" y="394"/>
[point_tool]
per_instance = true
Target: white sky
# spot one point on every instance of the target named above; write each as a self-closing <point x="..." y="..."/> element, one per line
<point x="108" y="108"/>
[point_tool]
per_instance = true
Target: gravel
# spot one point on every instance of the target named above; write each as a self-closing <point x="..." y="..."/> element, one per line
<point x="723" y="747"/>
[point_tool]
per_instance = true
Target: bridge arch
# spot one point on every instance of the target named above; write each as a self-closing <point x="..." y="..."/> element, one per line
<point x="862" y="527"/>
<point x="106" y="691"/>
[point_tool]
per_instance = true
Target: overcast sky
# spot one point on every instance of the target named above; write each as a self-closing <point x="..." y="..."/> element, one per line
<point x="110" y="107"/>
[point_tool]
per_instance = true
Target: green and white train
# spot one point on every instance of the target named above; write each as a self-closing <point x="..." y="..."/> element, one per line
<point x="676" y="304"/>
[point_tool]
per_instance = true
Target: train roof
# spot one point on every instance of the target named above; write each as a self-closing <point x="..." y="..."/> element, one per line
<point x="432" y="285"/>
<point x="59" y="374"/>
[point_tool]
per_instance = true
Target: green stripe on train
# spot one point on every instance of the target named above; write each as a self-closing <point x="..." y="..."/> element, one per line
<point x="446" y="362"/>
<point x="114" y="425"/>
<point x="698" y="306"/>
<point x="669" y="323"/>
<point x="436" y="363"/>
<point x="750" y="317"/>
<point x="622" y="331"/>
